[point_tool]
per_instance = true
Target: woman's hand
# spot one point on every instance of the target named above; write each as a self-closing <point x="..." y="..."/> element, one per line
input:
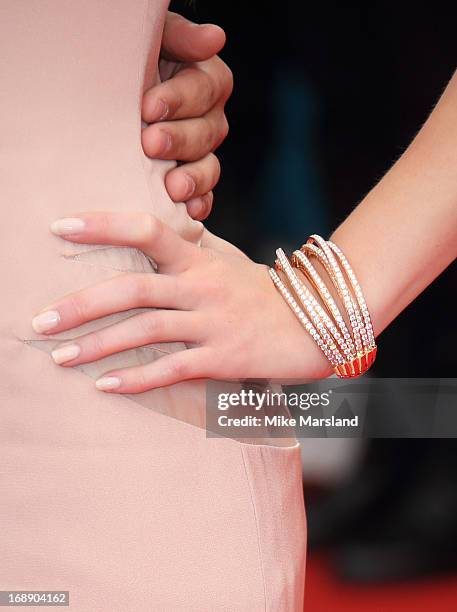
<point x="186" y="111"/>
<point x="221" y="303"/>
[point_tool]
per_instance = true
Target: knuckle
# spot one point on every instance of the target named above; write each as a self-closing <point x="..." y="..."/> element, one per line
<point x="173" y="289"/>
<point x="208" y="92"/>
<point x="104" y="224"/>
<point x="150" y="324"/>
<point x="227" y="82"/>
<point x="178" y="368"/>
<point x="98" y="344"/>
<point x="208" y="135"/>
<point x="222" y="131"/>
<point x="80" y="307"/>
<point x="140" y="379"/>
<point x="152" y="228"/>
<point x="138" y="289"/>
<point x="224" y="77"/>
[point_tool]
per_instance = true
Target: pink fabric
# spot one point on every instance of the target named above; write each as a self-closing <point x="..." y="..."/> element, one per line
<point x="117" y="499"/>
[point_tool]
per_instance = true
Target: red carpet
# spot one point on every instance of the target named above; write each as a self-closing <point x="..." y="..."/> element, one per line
<point x="324" y="593"/>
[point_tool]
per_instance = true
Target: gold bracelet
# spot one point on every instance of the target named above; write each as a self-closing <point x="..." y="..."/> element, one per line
<point x="307" y="324"/>
<point x="316" y="313"/>
<point x="351" y="351"/>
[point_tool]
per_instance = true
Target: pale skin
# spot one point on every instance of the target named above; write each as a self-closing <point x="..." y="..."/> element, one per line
<point x="398" y="239"/>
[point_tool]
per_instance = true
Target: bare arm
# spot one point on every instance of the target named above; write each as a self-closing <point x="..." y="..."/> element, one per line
<point x="404" y="233"/>
<point x="398" y="239"/>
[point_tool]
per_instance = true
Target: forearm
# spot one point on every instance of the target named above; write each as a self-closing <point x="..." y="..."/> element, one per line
<point x="404" y="233"/>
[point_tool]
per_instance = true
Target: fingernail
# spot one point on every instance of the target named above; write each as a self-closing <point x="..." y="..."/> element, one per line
<point x="67" y="226"/>
<point x="108" y="383"/>
<point x="161" y="110"/>
<point x="164" y="143"/>
<point x="190" y="186"/>
<point x="195" y="207"/>
<point x="65" y="353"/>
<point x="45" y="321"/>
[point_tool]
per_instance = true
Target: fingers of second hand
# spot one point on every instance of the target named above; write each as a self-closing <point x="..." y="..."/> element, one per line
<point x="193" y="179"/>
<point x="168" y="370"/>
<point x="205" y="172"/>
<point x="199" y="208"/>
<point x="185" y="41"/>
<point x="190" y="93"/>
<point x="190" y="139"/>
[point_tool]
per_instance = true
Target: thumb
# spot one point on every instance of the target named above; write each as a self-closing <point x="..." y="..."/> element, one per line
<point x="184" y="41"/>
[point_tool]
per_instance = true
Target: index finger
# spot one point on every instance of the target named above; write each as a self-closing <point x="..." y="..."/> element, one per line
<point x="139" y="230"/>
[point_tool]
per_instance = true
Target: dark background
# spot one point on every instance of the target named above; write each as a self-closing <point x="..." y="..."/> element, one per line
<point x="327" y="96"/>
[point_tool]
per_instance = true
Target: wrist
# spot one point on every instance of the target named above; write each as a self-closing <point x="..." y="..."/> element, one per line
<point x="348" y="345"/>
<point x="368" y="268"/>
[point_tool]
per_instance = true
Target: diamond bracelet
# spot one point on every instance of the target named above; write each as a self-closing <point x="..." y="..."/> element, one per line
<point x="350" y="349"/>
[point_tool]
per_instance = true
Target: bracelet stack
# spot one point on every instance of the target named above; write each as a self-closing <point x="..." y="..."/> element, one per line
<point x="348" y="343"/>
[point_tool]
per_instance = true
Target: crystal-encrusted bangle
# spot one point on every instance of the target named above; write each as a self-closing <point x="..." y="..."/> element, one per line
<point x="301" y="316"/>
<point x="351" y="351"/>
<point x="300" y="261"/>
<point x="371" y="344"/>
<point x="324" y="254"/>
<point x="315" y="312"/>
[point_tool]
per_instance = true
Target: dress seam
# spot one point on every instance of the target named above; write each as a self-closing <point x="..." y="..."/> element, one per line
<point x="256" y="520"/>
<point x="77" y="259"/>
<point x="32" y="341"/>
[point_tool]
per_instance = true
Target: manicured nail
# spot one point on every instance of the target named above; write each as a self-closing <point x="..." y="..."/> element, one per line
<point x="190" y="187"/>
<point x="45" y="321"/>
<point x="65" y="353"/>
<point x="108" y="383"/>
<point x="71" y="225"/>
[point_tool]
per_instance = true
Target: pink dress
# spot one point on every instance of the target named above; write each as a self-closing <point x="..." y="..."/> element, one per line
<point x="121" y="500"/>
